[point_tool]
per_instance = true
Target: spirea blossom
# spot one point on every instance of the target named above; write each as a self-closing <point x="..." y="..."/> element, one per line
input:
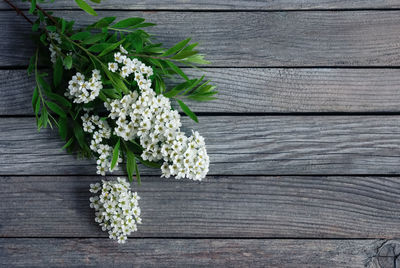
<point x="82" y="91"/>
<point x="117" y="208"/>
<point x="149" y="117"/>
<point x="53" y="37"/>
<point x="101" y="132"/>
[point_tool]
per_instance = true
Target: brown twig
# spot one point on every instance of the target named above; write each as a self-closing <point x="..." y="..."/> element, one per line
<point x="19" y="12"/>
<point x="46" y="14"/>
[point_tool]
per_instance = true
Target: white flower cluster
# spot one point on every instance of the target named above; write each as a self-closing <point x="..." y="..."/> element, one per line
<point x="101" y="131"/>
<point x="55" y="37"/>
<point x="82" y="91"/>
<point x="150" y="118"/>
<point x="117" y="208"/>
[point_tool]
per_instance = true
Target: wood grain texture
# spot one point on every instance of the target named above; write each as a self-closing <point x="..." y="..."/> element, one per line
<point x="226" y="5"/>
<point x="248" y="39"/>
<point x="261" y="90"/>
<point x="187" y="253"/>
<point x="246" y="207"/>
<point x="237" y="145"/>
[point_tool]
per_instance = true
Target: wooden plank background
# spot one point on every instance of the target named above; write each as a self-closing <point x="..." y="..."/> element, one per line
<point x="304" y="143"/>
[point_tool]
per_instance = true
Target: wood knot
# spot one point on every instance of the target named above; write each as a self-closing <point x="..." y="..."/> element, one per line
<point x="387" y="255"/>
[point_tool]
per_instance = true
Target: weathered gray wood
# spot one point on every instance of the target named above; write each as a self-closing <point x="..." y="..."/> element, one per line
<point x="237" y="145"/>
<point x="247" y="39"/>
<point x="258" y="207"/>
<point x="187" y="253"/>
<point x="261" y="90"/>
<point x="226" y="4"/>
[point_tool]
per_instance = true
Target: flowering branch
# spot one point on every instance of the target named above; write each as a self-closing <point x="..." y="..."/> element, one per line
<point x="107" y="95"/>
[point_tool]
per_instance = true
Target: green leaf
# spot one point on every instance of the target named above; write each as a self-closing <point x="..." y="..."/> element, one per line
<point x="69" y="142"/>
<point x="111" y="47"/>
<point x="46" y="87"/>
<point x="58" y="71"/>
<point x="115" y="155"/>
<point x="80" y="36"/>
<point x="187" y="111"/>
<point x="176" y="48"/>
<point x="130" y="22"/>
<point x="35" y="99"/>
<point x="88" y="9"/>
<point x="98" y="47"/>
<point x="80" y="135"/>
<point x="176" y="69"/>
<point x="94" y="38"/>
<point x="63" y="127"/>
<point x="203" y="97"/>
<point x="68" y="62"/>
<point x="51" y="28"/>
<point x="63" y="25"/>
<point x="60" y="99"/>
<point x="96" y="1"/>
<point x="197" y="59"/>
<point x="55" y="108"/>
<point x="130" y="164"/>
<point x="44" y="117"/>
<point x="104" y="22"/>
<point x="179" y="88"/>
<point x="33" y="6"/>
<point x="184" y="54"/>
<point x="149" y="163"/>
<point x="31" y="66"/>
<point x="35" y="27"/>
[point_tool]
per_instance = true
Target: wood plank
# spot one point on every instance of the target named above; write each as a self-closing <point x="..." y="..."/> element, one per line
<point x="262" y="145"/>
<point x="248" y="39"/>
<point x="188" y="253"/>
<point x="257" y="207"/>
<point x="226" y="5"/>
<point x="261" y="90"/>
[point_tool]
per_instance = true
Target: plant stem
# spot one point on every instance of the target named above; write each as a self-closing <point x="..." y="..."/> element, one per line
<point x="19" y="12"/>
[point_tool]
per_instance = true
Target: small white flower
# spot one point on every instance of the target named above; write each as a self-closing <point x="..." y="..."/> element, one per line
<point x="113" y="66"/>
<point x="117" y="210"/>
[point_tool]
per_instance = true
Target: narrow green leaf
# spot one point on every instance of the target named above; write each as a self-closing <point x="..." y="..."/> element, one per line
<point x="130" y="22"/>
<point x="115" y="155"/>
<point x="88" y="9"/>
<point x="177" y="69"/>
<point x="46" y="87"/>
<point x="63" y="25"/>
<point x="35" y="27"/>
<point x="58" y="71"/>
<point x="97" y="48"/>
<point x="130" y="164"/>
<point x="31" y="66"/>
<point x="184" y="54"/>
<point x="176" y="48"/>
<point x="33" y="6"/>
<point x="68" y="62"/>
<point x="45" y="117"/>
<point x="51" y="28"/>
<point x="80" y="135"/>
<point x="149" y="163"/>
<point x="179" y="88"/>
<point x="96" y="1"/>
<point x="69" y="142"/>
<point x="55" y="108"/>
<point x="104" y="22"/>
<point x="187" y="111"/>
<point x="111" y="48"/>
<point x="94" y="38"/>
<point x="63" y="127"/>
<point x="63" y="101"/>
<point x="35" y="98"/>
<point x="80" y="36"/>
